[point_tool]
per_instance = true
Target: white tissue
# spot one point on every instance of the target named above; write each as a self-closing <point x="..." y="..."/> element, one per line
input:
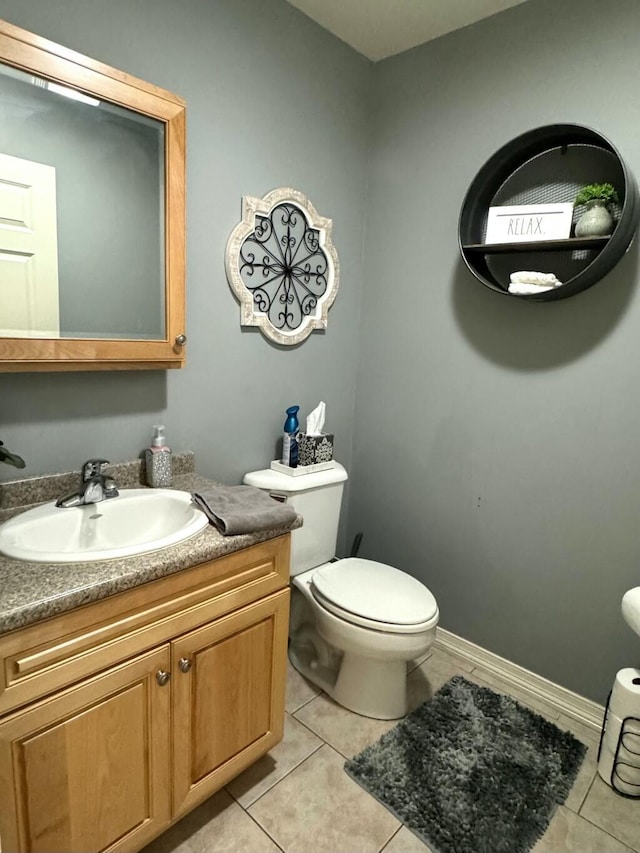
<point x="624" y="702"/>
<point x="315" y="421"/>
<point x="625" y="695"/>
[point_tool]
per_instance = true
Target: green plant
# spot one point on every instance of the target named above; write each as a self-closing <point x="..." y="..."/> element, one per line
<point x="605" y="193"/>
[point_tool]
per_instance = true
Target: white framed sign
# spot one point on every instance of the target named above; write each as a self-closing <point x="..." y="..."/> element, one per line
<point x="528" y="223"/>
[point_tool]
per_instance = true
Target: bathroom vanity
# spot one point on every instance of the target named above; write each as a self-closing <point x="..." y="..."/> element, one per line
<point x="120" y="714"/>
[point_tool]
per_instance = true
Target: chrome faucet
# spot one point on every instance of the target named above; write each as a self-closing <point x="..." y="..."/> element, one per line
<point x="95" y="486"/>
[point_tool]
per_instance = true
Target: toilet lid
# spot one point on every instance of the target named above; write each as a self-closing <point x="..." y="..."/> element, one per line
<point x="374" y="591"/>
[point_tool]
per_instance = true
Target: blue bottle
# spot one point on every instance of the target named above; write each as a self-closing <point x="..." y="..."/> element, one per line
<point x="290" y="439"/>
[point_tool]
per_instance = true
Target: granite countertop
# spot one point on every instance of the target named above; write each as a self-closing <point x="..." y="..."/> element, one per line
<point x="30" y="592"/>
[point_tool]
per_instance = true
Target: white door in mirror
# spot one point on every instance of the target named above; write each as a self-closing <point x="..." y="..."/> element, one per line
<point x="136" y="522"/>
<point x="28" y="249"/>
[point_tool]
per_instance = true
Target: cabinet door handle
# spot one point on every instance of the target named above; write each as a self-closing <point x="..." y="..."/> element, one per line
<point x="184" y="664"/>
<point x="162" y="677"/>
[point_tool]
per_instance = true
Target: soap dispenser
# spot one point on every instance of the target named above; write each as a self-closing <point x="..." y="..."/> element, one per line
<point x="158" y="460"/>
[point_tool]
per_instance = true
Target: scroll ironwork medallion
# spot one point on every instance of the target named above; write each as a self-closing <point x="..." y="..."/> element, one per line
<point x="282" y="266"/>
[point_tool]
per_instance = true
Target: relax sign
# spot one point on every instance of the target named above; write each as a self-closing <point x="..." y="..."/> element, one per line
<point x="529" y="223"/>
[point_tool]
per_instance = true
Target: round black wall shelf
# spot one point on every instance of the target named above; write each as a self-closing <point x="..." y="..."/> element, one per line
<point x="544" y="166"/>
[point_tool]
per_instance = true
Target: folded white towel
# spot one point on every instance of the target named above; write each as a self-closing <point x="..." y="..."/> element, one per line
<point x="544" y="279"/>
<point x="522" y="288"/>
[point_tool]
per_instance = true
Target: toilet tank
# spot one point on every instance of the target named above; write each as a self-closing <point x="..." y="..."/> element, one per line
<point x="317" y="498"/>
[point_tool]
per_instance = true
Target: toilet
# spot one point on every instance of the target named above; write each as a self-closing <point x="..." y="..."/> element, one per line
<point x="354" y="623"/>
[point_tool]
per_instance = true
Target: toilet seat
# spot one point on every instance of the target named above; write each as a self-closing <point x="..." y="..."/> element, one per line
<point x="374" y="595"/>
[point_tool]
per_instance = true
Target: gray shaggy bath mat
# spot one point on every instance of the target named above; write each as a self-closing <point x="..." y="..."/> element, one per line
<point x="471" y="771"/>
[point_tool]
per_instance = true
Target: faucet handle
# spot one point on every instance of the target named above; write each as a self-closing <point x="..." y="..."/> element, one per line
<point x="93" y="468"/>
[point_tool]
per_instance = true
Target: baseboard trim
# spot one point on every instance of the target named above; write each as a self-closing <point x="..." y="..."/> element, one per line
<point x="568" y="703"/>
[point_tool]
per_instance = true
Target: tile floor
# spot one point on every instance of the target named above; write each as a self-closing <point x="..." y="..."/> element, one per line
<point x="298" y="799"/>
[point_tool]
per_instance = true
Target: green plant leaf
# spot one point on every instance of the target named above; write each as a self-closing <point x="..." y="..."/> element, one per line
<point x="597" y="192"/>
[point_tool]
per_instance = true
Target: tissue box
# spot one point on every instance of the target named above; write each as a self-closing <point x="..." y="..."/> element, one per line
<point x="313" y="449"/>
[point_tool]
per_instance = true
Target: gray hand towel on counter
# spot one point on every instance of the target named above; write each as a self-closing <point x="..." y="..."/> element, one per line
<point x="242" y="509"/>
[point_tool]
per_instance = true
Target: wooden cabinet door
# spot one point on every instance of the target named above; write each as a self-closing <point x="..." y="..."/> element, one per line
<point x="88" y="769"/>
<point x="228" y="689"/>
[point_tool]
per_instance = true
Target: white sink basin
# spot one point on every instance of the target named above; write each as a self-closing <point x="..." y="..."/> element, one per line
<point x="135" y="522"/>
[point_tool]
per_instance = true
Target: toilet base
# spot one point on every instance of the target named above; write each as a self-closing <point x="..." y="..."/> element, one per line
<point x="371" y="688"/>
<point x="363" y="670"/>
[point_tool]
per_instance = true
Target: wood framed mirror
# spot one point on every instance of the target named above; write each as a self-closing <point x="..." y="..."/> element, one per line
<point x="92" y="213"/>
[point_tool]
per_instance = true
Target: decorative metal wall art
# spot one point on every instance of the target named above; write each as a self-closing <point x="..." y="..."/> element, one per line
<point x="282" y="266"/>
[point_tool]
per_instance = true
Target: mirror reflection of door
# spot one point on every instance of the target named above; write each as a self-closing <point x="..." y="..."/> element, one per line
<point x="29" y="304"/>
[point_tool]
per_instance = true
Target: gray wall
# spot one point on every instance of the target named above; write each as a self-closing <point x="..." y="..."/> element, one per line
<point x="272" y="100"/>
<point x="497" y="442"/>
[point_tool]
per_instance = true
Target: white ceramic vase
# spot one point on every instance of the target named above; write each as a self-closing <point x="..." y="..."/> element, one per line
<point x="596" y="221"/>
